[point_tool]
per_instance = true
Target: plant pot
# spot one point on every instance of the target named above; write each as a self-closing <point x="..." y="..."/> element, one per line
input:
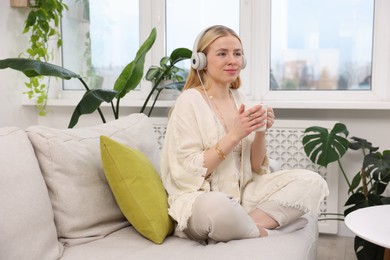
<point x="167" y="94"/>
<point x="19" y="3"/>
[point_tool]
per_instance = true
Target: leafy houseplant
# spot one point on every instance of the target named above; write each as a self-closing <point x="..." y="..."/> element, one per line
<point x="167" y="71"/>
<point x="366" y="188"/>
<point x="43" y="22"/>
<point x="128" y="80"/>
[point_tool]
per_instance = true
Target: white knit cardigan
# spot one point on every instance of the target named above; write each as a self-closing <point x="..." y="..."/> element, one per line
<point x="193" y="128"/>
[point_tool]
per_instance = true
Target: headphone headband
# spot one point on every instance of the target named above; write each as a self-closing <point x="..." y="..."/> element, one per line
<point x="197" y="39"/>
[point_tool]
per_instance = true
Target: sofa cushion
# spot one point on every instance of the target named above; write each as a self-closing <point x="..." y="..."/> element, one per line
<point x="137" y="188"/>
<point x="27" y="229"/>
<point x="83" y="204"/>
<point x="128" y="244"/>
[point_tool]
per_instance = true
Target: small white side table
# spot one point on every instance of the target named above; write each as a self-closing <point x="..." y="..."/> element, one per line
<point x="371" y="224"/>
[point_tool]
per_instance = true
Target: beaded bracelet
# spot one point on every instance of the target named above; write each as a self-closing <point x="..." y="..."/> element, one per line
<point x="219" y="152"/>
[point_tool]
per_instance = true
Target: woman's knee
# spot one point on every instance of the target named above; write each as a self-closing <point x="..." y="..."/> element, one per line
<point x="316" y="180"/>
<point x="214" y="205"/>
<point x="217" y="216"/>
<point x="311" y="178"/>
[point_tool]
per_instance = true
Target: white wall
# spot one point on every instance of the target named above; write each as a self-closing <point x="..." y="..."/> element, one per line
<point x="11" y="44"/>
<point x="373" y="125"/>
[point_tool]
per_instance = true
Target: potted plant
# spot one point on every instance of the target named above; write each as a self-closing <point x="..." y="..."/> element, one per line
<point x="128" y="79"/>
<point x="166" y="71"/>
<point x="167" y="75"/>
<point x="366" y="188"/>
<point x="43" y="22"/>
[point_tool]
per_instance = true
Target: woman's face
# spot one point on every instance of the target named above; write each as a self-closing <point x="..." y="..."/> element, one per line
<point x="224" y="60"/>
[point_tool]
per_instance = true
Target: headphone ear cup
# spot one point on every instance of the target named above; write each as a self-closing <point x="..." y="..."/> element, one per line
<point x="243" y="62"/>
<point x="198" y="61"/>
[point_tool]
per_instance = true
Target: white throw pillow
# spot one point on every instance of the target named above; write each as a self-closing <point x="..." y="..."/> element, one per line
<point x="83" y="204"/>
<point x="27" y="229"/>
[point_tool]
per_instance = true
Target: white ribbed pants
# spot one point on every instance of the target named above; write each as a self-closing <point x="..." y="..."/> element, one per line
<point x="221" y="218"/>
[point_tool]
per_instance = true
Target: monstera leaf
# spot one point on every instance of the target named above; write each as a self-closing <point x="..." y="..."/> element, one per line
<point x="360" y="143"/>
<point x="323" y="147"/>
<point x="369" y="183"/>
<point x="377" y="166"/>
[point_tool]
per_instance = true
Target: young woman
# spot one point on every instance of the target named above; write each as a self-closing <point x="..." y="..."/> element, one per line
<point x="214" y="163"/>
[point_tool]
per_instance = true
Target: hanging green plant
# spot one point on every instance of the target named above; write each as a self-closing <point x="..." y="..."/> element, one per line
<point x="43" y="22"/>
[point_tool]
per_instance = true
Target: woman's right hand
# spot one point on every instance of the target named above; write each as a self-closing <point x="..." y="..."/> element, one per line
<point x="247" y="121"/>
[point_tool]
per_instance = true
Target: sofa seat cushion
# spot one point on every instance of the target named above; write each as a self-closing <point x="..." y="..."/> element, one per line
<point x="129" y="244"/>
<point x="27" y="229"/>
<point x="137" y="188"/>
<point x="84" y="206"/>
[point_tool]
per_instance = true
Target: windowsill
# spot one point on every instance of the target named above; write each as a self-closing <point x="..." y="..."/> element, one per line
<point x="347" y="105"/>
<point x="123" y="103"/>
<point x="365" y="105"/>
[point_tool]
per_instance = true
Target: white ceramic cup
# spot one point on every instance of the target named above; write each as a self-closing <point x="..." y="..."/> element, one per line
<point x="263" y="106"/>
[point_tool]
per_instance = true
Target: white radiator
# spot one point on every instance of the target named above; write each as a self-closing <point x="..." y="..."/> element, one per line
<point x="284" y="144"/>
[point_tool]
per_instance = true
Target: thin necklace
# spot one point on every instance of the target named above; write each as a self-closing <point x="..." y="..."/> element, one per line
<point x="237" y="148"/>
<point x="220" y="114"/>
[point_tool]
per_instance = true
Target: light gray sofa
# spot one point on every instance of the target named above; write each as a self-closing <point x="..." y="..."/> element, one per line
<point x="56" y="203"/>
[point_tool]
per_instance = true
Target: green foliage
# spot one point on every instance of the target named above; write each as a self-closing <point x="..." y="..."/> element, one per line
<point x="43" y="23"/>
<point x="32" y="68"/>
<point x="367" y="186"/>
<point x="92" y="99"/>
<point x="127" y="81"/>
<point x="166" y="71"/>
<point x="135" y="69"/>
<point x="366" y="250"/>
<point x="323" y="147"/>
<point x="90" y="102"/>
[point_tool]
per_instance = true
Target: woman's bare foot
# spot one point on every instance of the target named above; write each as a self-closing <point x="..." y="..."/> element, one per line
<point x="261" y="218"/>
<point x="262" y="231"/>
<point x="291" y="227"/>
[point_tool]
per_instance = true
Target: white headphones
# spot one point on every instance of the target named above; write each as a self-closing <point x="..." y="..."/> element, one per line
<point x="198" y="59"/>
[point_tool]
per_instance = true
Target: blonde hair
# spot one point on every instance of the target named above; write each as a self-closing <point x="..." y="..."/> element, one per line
<point x="208" y="37"/>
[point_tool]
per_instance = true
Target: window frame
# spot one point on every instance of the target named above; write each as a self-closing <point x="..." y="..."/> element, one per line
<point x="377" y="98"/>
<point x="255" y="30"/>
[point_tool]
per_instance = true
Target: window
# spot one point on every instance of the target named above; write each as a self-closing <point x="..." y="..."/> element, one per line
<point x="182" y="31"/>
<point x="301" y="53"/>
<point x="313" y="50"/>
<point x="375" y="97"/>
<point x="100" y="38"/>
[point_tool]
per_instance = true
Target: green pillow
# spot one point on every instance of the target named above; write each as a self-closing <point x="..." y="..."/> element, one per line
<point x="137" y="188"/>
